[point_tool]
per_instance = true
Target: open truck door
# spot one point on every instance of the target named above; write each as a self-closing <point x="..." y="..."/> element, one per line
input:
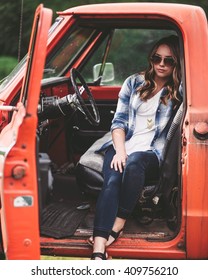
<point x="55" y="149"/>
<point x="19" y="176"/>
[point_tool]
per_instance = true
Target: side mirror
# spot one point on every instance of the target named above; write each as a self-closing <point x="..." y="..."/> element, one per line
<point x="107" y="75"/>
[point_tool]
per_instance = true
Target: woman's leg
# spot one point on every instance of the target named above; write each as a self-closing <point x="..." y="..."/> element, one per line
<point x="107" y="203"/>
<point x="106" y="207"/>
<point x="139" y="165"/>
<point x="120" y="193"/>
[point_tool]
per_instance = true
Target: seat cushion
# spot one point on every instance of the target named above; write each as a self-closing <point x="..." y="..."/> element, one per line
<point x="92" y="159"/>
<point x="89" y="169"/>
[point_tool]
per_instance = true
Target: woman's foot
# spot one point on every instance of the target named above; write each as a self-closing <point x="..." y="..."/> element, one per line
<point x="115" y="233"/>
<point x="90" y="240"/>
<point x="99" y="252"/>
<point x="117" y="230"/>
<point x="99" y="256"/>
<point x="112" y="238"/>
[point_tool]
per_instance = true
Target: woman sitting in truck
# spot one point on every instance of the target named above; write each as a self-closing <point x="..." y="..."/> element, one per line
<point x="146" y="103"/>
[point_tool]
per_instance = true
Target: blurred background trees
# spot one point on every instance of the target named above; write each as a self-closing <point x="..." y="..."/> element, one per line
<point x="16" y="23"/>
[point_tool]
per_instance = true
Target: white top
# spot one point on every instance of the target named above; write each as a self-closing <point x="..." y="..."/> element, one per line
<point x="145" y="126"/>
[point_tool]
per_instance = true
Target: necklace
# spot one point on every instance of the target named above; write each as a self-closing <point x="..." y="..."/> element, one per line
<point x="150" y="123"/>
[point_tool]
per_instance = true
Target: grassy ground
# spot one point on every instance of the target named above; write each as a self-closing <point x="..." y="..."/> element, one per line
<point x="61" y="258"/>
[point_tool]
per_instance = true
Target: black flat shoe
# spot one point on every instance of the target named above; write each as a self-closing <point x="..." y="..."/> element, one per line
<point x="100" y="255"/>
<point x="115" y="234"/>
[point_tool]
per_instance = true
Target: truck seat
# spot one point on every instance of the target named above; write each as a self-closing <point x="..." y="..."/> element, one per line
<point x="89" y="170"/>
<point x="90" y="179"/>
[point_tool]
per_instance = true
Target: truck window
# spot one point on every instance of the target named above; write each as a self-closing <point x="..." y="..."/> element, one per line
<point x="128" y="53"/>
<point x="66" y="51"/>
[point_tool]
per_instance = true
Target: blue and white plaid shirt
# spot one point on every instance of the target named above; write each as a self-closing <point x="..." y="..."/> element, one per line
<point x="125" y="116"/>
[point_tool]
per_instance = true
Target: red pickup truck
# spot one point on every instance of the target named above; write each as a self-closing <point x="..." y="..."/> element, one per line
<point x="56" y="107"/>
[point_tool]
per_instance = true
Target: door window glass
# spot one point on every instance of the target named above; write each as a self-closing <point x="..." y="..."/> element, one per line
<point x="66" y="51"/>
<point x="127" y="54"/>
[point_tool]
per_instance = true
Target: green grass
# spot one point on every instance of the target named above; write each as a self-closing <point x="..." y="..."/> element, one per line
<point x="43" y="257"/>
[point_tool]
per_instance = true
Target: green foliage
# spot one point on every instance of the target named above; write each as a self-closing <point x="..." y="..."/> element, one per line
<point x="16" y="26"/>
<point x="6" y="65"/>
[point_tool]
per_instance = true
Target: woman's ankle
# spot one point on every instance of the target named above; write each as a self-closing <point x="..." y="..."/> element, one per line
<point x="99" y="244"/>
<point x="118" y="224"/>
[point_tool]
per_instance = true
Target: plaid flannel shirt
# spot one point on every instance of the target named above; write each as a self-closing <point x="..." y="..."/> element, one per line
<point x="125" y="116"/>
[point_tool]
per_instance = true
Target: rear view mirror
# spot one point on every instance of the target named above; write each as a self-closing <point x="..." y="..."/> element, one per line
<point x="107" y="75"/>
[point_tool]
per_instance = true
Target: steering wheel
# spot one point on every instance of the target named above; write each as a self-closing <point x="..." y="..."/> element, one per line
<point x="94" y="116"/>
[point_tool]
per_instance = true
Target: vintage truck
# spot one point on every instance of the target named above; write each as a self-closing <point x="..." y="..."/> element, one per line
<point x="58" y="104"/>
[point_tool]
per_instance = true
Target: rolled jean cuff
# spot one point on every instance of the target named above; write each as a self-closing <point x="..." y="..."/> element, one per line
<point x="123" y="213"/>
<point x="100" y="233"/>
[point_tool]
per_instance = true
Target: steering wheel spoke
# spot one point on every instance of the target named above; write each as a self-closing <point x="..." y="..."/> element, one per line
<point x="81" y="90"/>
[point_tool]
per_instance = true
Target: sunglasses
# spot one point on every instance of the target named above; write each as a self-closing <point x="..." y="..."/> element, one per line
<point x="168" y="61"/>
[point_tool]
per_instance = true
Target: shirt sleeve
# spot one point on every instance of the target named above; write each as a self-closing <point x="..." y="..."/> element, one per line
<point x="121" y="116"/>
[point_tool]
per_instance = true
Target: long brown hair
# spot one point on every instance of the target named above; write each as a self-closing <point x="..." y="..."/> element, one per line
<point x="173" y="83"/>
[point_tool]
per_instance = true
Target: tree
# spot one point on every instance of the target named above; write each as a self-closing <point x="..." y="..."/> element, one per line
<point x="16" y="27"/>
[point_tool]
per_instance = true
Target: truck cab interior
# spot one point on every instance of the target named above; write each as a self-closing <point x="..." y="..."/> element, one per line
<point x="97" y="56"/>
<point x="82" y="77"/>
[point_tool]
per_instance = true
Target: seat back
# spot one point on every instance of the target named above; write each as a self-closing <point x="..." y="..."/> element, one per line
<point x="169" y="184"/>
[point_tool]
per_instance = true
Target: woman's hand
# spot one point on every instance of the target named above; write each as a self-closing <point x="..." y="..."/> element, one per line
<point x="119" y="161"/>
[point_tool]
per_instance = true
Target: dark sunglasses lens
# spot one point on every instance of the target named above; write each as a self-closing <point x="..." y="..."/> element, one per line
<point x="169" y="61"/>
<point x="156" y="59"/>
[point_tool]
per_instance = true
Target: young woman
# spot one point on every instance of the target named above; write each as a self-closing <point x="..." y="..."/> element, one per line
<point x="139" y="128"/>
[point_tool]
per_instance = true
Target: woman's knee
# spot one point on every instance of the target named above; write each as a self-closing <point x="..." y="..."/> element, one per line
<point x="141" y="162"/>
<point x="137" y="156"/>
<point x="112" y="182"/>
<point x="135" y="160"/>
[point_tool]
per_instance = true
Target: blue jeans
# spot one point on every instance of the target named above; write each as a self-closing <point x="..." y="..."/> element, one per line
<point x="120" y="191"/>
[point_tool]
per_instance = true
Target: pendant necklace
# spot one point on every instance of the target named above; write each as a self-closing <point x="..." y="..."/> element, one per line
<point x="150" y="123"/>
